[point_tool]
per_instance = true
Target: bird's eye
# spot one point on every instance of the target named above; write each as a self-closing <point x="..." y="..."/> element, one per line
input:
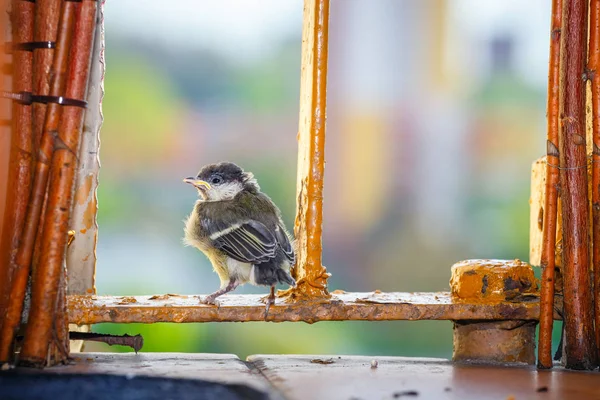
<point x="215" y="180"/>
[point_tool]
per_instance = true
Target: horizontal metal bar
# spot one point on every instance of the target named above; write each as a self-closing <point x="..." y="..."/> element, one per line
<point x="342" y="306"/>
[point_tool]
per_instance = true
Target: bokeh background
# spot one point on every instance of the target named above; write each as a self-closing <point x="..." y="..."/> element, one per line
<point x="435" y="107"/>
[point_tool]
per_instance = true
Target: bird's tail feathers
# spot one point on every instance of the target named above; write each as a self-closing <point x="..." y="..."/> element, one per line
<point x="285" y="277"/>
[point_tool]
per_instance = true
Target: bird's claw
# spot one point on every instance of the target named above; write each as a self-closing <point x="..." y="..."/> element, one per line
<point x="269" y="301"/>
<point x="211" y="301"/>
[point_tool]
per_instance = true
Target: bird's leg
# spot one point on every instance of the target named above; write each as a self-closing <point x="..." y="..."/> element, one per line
<point x="212" y="298"/>
<point x="270" y="301"/>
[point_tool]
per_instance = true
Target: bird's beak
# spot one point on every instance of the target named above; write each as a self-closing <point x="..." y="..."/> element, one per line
<point x="197" y="183"/>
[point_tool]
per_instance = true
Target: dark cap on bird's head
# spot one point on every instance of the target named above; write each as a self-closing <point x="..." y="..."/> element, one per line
<point x="222" y="181"/>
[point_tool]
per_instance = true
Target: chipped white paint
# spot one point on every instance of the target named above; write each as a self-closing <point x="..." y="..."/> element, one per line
<point x="81" y="255"/>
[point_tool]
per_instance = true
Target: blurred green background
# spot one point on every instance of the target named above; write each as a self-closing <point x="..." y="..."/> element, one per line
<point x="436" y="110"/>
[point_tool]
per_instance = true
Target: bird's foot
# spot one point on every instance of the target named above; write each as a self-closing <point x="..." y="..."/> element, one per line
<point x="210" y="300"/>
<point x="269" y="301"/>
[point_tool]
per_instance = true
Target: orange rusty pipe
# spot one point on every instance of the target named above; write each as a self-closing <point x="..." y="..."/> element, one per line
<point x="20" y="167"/>
<point x="593" y="66"/>
<point x="22" y="263"/>
<point x="45" y="30"/>
<point x="309" y="271"/>
<point x="48" y="275"/>
<point x="580" y="343"/>
<point x="551" y="200"/>
<point x="46" y="11"/>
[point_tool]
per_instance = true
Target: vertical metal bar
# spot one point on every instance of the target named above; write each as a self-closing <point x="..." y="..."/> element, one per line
<point x="46" y="28"/>
<point x="580" y="346"/>
<point x="593" y="66"/>
<point x="48" y="275"/>
<point x="81" y="253"/>
<point x="310" y="274"/>
<point x="5" y="141"/>
<point x="20" y="166"/>
<point x="551" y="198"/>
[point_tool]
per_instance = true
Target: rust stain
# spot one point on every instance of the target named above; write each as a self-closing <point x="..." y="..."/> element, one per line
<point x="89" y="215"/>
<point x="127" y="300"/>
<point x="83" y="230"/>
<point x="83" y="191"/>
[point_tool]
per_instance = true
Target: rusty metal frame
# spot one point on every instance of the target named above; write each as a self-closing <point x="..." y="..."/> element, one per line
<point x="310" y="301"/>
<point x="341" y="306"/>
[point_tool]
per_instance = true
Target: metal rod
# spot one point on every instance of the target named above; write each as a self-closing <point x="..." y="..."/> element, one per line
<point x="21" y="265"/>
<point x="551" y="199"/>
<point x="47" y="276"/>
<point x="81" y="255"/>
<point x="593" y="71"/>
<point x="309" y="272"/>
<point x="580" y="346"/>
<point x="373" y="306"/>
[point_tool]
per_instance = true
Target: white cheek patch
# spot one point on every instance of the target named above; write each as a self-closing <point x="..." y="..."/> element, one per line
<point x="226" y="191"/>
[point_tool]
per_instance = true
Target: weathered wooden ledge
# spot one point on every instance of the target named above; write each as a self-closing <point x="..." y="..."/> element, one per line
<point x="371" y="306"/>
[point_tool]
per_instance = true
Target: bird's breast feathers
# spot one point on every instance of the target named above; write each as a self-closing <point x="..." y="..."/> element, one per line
<point x="192" y="235"/>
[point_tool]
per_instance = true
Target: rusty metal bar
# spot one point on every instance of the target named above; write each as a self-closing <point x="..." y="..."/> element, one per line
<point x="551" y="198"/>
<point x="5" y="140"/>
<point x="580" y="344"/>
<point x="22" y="261"/>
<point x="20" y="159"/>
<point x="81" y="254"/>
<point x="593" y="71"/>
<point x="46" y="279"/>
<point x="310" y="274"/>
<point x="45" y="30"/>
<point x="341" y="306"/>
<point x="21" y="143"/>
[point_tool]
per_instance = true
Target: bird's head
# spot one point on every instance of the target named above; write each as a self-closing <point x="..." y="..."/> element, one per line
<point x="222" y="181"/>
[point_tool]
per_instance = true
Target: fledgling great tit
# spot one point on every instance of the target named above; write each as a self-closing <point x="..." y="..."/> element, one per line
<point x="239" y="229"/>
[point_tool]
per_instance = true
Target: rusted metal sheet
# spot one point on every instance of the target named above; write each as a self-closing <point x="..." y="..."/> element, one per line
<point x="81" y="254"/>
<point x="309" y="272"/>
<point x="371" y="306"/>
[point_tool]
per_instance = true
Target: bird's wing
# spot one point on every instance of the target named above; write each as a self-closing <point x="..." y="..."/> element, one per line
<point x="284" y="242"/>
<point x="250" y="242"/>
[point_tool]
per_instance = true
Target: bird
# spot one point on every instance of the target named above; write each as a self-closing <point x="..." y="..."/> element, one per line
<point x="240" y="230"/>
